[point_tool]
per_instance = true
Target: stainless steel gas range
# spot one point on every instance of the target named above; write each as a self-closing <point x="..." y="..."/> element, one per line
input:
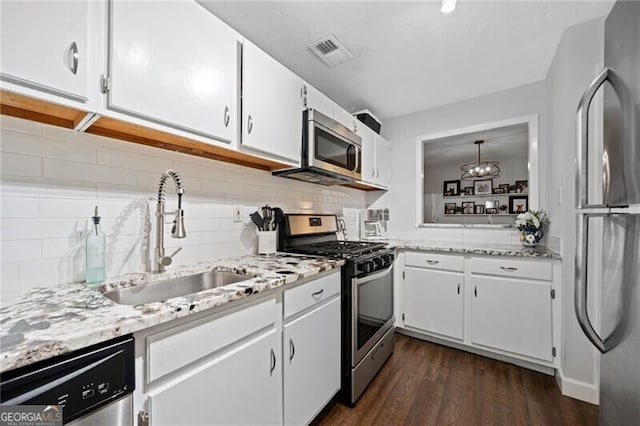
<point x="367" y="295"/>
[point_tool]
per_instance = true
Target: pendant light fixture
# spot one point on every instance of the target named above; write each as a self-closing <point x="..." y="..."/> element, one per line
<point x="480" y="169"/>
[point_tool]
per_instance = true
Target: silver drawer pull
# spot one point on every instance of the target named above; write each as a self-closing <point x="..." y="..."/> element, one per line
<point x="316" y="295"/>
<point x="433" y="262"/>
<point x="508" y="268"/>
<point x="458" y="288"/>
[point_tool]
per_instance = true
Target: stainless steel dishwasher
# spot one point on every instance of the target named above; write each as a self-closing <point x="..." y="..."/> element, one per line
<point x="93" y="385"/>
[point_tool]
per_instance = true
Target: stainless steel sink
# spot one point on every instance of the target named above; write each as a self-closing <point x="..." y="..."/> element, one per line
<point x="160" y="291"/>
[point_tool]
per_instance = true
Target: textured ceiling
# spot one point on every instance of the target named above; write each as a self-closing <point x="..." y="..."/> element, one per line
<point x="408" y="56"/>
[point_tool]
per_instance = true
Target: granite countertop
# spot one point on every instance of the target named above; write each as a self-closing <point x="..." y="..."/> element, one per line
<point x="51" y="321"/>
<point x="475" y="248"/>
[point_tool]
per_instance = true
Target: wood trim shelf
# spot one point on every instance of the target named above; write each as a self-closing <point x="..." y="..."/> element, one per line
<point x="20" y="106"/>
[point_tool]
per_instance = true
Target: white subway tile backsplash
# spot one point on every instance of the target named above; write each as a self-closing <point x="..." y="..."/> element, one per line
<point x="15" y="251"/>
<point x="53" y="178"/>
<point x="14" y="207"/>
<point x="20" y="165"/>
<point x="74" y="171"/>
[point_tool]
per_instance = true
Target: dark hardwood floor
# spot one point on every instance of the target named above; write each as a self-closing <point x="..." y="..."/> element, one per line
<point x="429" y="384"/>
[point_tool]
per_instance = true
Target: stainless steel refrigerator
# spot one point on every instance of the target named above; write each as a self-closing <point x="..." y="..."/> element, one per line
<point x="607" y="265"/>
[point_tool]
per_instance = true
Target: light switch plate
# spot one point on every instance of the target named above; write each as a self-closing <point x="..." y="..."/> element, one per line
<point x="236" y="213"/>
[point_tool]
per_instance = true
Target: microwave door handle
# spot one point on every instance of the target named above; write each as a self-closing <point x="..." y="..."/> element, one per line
<point x="355" y="169"/>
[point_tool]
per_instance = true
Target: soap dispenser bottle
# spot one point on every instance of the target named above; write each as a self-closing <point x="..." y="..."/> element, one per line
<point x="95" y="252"/>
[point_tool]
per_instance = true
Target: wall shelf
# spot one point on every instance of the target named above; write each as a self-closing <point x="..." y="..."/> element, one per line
<point x="470" y="197"/>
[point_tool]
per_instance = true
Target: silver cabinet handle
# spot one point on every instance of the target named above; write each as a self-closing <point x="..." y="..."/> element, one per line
<point x="74" y="58"/>
<point x="373" y="172"/>
<point x="508" y="268"/>
<point x="432" y="262"/>
<point x="475" y="290"/>
<point x="273" y="363"/>
<point x="316" y="295"/>
<point x="227" y="116"/>
<point x="458" y="288"/>
<point x="292" y="350"/>
<point x="249" y="124"/>
<point x="377" y="172"/>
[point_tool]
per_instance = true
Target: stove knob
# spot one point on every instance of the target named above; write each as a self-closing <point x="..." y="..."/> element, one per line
<point x="378" y="263"/>
<point x="366" y="266"/>
<point x="388" y="259"/>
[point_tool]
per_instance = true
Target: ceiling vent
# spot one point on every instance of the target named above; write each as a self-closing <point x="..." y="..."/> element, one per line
<point x="330" y="50"/>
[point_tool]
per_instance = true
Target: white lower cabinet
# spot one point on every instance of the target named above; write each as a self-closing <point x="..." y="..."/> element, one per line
<point x="513" y="315"/>
<point x="311" y="362"/>
<point x="228" y="368"/>
<point x="493" y="304"/>
<point x="434" y="301"/>
<point x="241" y="387"/>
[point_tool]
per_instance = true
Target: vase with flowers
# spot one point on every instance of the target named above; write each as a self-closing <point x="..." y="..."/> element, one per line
<point x="530" y="225"/>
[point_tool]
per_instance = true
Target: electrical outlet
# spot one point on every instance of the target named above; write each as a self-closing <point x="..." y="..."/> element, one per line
<point x="236" y="213"/>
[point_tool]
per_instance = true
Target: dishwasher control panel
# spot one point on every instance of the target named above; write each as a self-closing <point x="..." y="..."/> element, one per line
<point x="80" y="382"/>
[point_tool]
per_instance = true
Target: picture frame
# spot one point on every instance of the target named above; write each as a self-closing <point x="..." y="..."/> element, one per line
<point x="468" y="190"/>
<point x="504" y="187"/>
<point x="451" y="188"/>
<point x="468" y="207"/>
<point x="518" y="204"/>
<point x="491" y="211"/>
<point x="522" y="186"/>
<point x="498" y="190"/>
<point x="479" y="209"/>
<point x="483" y="187"/>
<point x="449" y="208"/>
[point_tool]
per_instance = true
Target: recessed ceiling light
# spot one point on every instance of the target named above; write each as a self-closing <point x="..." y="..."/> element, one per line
<point x="448" y="6"/>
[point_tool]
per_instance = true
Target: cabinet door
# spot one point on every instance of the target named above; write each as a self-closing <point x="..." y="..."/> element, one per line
<point x="383" y="162"/>
<point x="44" y="46"/>
<point x="311" y="363"/>
<point x="434" y="301"/>
<point x="368" y="153"/>
<point x="178" y="72"/>
<point x="241" y="387"/>
<point x="271" y="106"/>
<point x="343" y="117"/>
<point x="512" y="315"/>
<point x="319" y="101"/>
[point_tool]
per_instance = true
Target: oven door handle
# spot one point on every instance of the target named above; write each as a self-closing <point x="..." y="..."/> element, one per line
<point x="375" y="276"/>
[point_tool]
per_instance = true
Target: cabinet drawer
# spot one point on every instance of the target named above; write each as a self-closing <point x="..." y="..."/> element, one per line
<point x="302" y="297"/>
<point x="507" y="267"/>
<point x="174" y="348"/>
<point x="434" y="261"/>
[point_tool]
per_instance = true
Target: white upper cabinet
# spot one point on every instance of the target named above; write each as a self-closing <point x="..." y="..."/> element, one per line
<point x="272" y="106"/>
<point x="376" y="157"/>
<point x="175" y="64"/>
<point x="368" y="168"/>
<point x="344" y="117"/>
<point x="383" y="162"/>
<point x="44" y="46"/>
<point x="319" y="101"/>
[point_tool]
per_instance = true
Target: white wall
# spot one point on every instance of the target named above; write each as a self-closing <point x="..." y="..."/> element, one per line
<point x="403" y="131"/>
<point x="578" y="60"/>
<point x="51" y="178"/>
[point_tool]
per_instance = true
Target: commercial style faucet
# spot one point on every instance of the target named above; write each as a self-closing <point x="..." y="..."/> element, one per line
<point x="177" y="231"/>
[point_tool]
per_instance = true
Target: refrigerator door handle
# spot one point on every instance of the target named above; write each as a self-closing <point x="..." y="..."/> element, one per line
<point x="582" y="137"/>
<point x="580" y="290"/>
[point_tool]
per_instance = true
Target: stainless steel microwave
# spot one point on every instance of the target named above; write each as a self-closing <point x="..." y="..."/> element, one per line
<point x="331" y="152"/>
